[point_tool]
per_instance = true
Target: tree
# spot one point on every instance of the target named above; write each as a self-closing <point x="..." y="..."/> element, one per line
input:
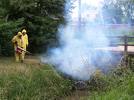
<point x="40" y="17"/>
<point x="119" y="11"/>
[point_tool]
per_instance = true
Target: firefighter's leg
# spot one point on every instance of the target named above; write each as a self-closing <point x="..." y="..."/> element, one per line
<point x="22" y="56"/>
<point x="17" y="57"/>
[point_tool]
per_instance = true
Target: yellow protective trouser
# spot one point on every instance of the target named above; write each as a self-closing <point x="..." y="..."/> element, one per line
<point x="23" y="55"/>
<point x="19" y="57"/>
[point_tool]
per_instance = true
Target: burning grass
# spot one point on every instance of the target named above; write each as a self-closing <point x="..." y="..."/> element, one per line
<point x="30" y="82"/>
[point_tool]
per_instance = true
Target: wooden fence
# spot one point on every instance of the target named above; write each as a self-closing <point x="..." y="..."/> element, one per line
<point x="127" y="55"/>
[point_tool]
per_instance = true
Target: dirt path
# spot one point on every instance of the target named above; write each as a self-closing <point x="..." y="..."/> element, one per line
<point x="78" y="95"/>
<point x="32" y="60"/>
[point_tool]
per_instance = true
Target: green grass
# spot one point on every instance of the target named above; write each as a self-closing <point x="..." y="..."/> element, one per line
<point x="31" y="82"/>
<point x="121" y="87"/>
<point x="41" y="82"/>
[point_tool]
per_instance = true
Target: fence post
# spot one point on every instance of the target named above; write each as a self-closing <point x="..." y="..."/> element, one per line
<point x="125" y="49"/>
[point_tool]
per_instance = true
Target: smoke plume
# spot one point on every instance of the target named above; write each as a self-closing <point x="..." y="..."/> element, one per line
<point x="77" y="55"/>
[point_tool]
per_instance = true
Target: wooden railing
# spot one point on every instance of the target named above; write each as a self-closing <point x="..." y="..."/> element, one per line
<point x="125" y="43"/>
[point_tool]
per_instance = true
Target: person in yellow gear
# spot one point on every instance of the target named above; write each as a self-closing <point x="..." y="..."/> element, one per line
<point x="25" y="42"/>
<point x="17" y="40"/>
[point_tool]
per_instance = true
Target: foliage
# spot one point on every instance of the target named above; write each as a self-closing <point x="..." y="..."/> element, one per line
<point x="8" y="30"/>
<point x="41" y="18"/>
<point x="120" y="86"/>
<point x="118" y="11"/>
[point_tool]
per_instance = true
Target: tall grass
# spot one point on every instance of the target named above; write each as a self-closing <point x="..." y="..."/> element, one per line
<point x="31" y="82"/>
<point x="120" y="86"/>
<point x="40" y="82"/>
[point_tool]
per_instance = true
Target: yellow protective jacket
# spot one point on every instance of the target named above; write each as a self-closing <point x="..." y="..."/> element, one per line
<point x="17" y="40"/>
<point x="25" y="41"/>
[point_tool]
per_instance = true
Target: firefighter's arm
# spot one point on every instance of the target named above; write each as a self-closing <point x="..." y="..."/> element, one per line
<point x="27" y="40"/>
<point x="14" y="41"/>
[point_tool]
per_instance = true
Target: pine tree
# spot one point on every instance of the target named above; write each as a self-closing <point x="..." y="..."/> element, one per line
<point x="41" y="18"/>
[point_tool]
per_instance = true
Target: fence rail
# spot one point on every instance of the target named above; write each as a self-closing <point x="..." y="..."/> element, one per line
<point x="125" y="43"/>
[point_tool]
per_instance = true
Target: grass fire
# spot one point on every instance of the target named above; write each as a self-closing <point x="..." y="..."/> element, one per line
<point x="67" y="50"/>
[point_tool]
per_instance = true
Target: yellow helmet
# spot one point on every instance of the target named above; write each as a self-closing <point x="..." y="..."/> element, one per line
<point x="19" y="34"/>
<point x="24" y="31"/>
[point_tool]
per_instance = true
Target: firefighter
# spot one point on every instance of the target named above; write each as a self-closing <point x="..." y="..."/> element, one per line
<point x="25" y="43"/>
<point x="18" y="42"/>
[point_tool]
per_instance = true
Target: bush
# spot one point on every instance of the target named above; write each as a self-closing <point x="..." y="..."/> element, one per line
<point x="40" y="18"/>
<point x="7" y="31"/>
<point x="120" y="86"/>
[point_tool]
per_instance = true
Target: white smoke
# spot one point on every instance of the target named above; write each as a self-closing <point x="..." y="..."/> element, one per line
<point x="78" y="39"/>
